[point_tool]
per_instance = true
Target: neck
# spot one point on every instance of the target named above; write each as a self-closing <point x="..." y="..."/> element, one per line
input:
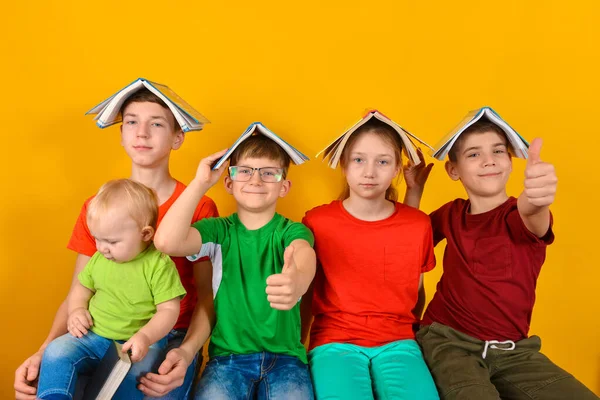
<point x="369" y="209"/>
<point x="157" y="178"/>
<point x="482" y="204"/>
<point x="253" y="220"/>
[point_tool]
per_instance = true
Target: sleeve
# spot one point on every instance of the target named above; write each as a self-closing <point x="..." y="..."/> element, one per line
<point x="296" y="230"/>
<point x="439" y="220"/>
<point x="212" y="230"/>
<point x="206" y="208"/>
<point x="519" y="231"/>
<point x="85" y="276"/>
<point x="165" y="283"/>
<point x="428" y="252"/>
<point x="81" y="240"/>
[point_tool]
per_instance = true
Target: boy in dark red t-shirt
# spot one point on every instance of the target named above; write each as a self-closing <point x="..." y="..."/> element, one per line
<point x="474" y="333"/>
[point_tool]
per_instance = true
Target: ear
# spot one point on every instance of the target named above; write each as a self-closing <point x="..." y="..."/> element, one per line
<point x="147" y="233"/>
<point x="228" y="183"/>
<point x="452" y="171"/>
<point x="286" y="185"/>
<point x="178" y="139"/>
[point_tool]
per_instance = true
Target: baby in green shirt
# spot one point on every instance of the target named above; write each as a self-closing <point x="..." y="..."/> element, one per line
<point x="128" y="291"/>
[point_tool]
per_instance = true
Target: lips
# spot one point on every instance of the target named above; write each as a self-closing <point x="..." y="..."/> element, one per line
<point x="490" y="175"/>
<point x="142" y="148"/>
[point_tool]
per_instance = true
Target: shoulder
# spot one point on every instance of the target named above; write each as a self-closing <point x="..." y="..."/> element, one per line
<point x="322" y="211"/>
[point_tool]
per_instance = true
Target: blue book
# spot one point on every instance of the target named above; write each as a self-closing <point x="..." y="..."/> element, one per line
<point x="109" y="374"/>
<point x="333" y="152"/>
<point x="517" y="143"/>
<point x="107" y="113"/>
<point x="257" y="128"/>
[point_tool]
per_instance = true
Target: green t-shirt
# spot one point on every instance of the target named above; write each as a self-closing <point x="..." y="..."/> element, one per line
<point x="242" y="260"/>
<point x="126" y="294"/>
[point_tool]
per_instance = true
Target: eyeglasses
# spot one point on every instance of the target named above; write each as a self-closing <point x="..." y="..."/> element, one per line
<point x="267" y="174"/>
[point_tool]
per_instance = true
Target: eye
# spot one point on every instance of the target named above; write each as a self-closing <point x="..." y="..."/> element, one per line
<point x="113" y="242"/>
<point x="130" y="122"/>
<point x="499" y="151"/>
<point x="472" y="155"/>
<point x="384" y="162"/>
<point x="244" y="171"/>
<point x="268" y="173"/>
<point x="157" y="124"/>
<point x="357" y="160"/>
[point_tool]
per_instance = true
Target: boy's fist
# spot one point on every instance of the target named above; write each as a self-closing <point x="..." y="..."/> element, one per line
<point x="138" y="344"/>
<point x="282" y="289"/>
<point x="540" y="177"/>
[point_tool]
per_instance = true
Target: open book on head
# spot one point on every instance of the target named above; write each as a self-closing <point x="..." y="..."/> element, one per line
<point x="517" y="143"/>
<point x="108" y="112"/>
<point x="257" y="128"/>
<point x="333" y="151"/>
<point x="109" y="374"/>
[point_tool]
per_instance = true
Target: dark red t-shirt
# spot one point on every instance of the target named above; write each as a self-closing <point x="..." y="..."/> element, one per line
<point x="491" y="265"/>
<point x="83" y="242"/>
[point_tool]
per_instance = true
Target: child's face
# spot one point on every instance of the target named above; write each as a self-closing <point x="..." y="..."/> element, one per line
<point x="482" y="164"/>
<point x="371" y="167"/>
<point x="118" y="237"/>
<point x="148" y="134"/>
<point x="256" y="195"/>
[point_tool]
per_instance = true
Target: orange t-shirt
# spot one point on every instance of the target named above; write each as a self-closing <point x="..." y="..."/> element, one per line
<point x="83" y="242"/>
<point x="366" y="285"/>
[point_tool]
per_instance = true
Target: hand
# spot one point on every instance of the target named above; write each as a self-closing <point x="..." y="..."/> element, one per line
<point x="79" y="322"/>
<point x="138" y="344"/>
<point x="282" y="290"/>
<point x="171" y="374"/>
<point x="540" y="178"/>
<point x="415" y="176"/>
<point x="205" y="174"/>
<point x="26" y="377"/>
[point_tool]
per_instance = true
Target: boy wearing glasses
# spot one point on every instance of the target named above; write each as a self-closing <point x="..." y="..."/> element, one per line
<point x="262" y="264"/>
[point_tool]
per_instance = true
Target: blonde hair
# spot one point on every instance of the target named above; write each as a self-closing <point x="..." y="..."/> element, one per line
<point x="140" y="201"/>
<point x="385" y="133"/>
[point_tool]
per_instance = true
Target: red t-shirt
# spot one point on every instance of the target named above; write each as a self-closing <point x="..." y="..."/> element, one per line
<point x="491" y="265"/>
<point x="366" y="285"/>
<point x="83" y="243"/>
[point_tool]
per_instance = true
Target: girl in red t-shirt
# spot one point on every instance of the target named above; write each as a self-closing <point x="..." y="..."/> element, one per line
<point x="368" y="290"/>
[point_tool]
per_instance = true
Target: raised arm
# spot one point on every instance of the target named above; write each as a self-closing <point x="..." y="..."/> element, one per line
<point x="175" y="236"/>
<point x="415" y="177"/>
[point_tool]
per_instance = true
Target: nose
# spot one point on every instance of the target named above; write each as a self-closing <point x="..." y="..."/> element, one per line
<point x="369" y="170"/>
<point x="102" y="248"/>
<point x="255" y="179"/>
<point x="488" y="160"/>
<point x="143" y="131"/>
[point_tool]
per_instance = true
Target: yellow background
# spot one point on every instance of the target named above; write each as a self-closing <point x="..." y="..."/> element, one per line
<point x="306" y="70"/>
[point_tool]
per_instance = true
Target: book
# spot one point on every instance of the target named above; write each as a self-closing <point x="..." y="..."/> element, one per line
<point x="517" y="143"/>
<point x="333" y="152"/>
<point x="257" y="128"/>
<point x="108" y="112"/>
<point x="109" y="374"/>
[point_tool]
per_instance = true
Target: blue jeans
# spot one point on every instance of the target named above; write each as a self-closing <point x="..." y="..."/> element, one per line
<point x="67" y="357"/>
<point x="255" y="376"/>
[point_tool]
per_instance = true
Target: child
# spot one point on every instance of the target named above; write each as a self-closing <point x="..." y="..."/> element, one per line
<point x="255" y="349"/>
<point x="474" y="332"/>
<point x="128" y="291"/>
<point x="368" y="292"/>
<point x="148" y="134"/>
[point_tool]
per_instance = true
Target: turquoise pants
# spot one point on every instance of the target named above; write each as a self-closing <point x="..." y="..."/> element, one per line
<point x="394" y="371"/>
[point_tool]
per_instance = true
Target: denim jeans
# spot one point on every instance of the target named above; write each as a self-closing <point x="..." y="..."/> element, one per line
<point x="255" y="376"/>
<point x="67" y="357"/>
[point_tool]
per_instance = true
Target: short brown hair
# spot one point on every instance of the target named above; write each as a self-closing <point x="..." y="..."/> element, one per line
<point x="384" y="132"/>
<point x="140" y="201"/>
<point x="477" y="128"/>
<point x="260" y="146"/>
<point x="146" y="96"/>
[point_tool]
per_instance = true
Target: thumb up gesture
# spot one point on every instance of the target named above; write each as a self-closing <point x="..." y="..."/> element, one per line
<point x="283" y="289"/>
<point x="540" y="178"/>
